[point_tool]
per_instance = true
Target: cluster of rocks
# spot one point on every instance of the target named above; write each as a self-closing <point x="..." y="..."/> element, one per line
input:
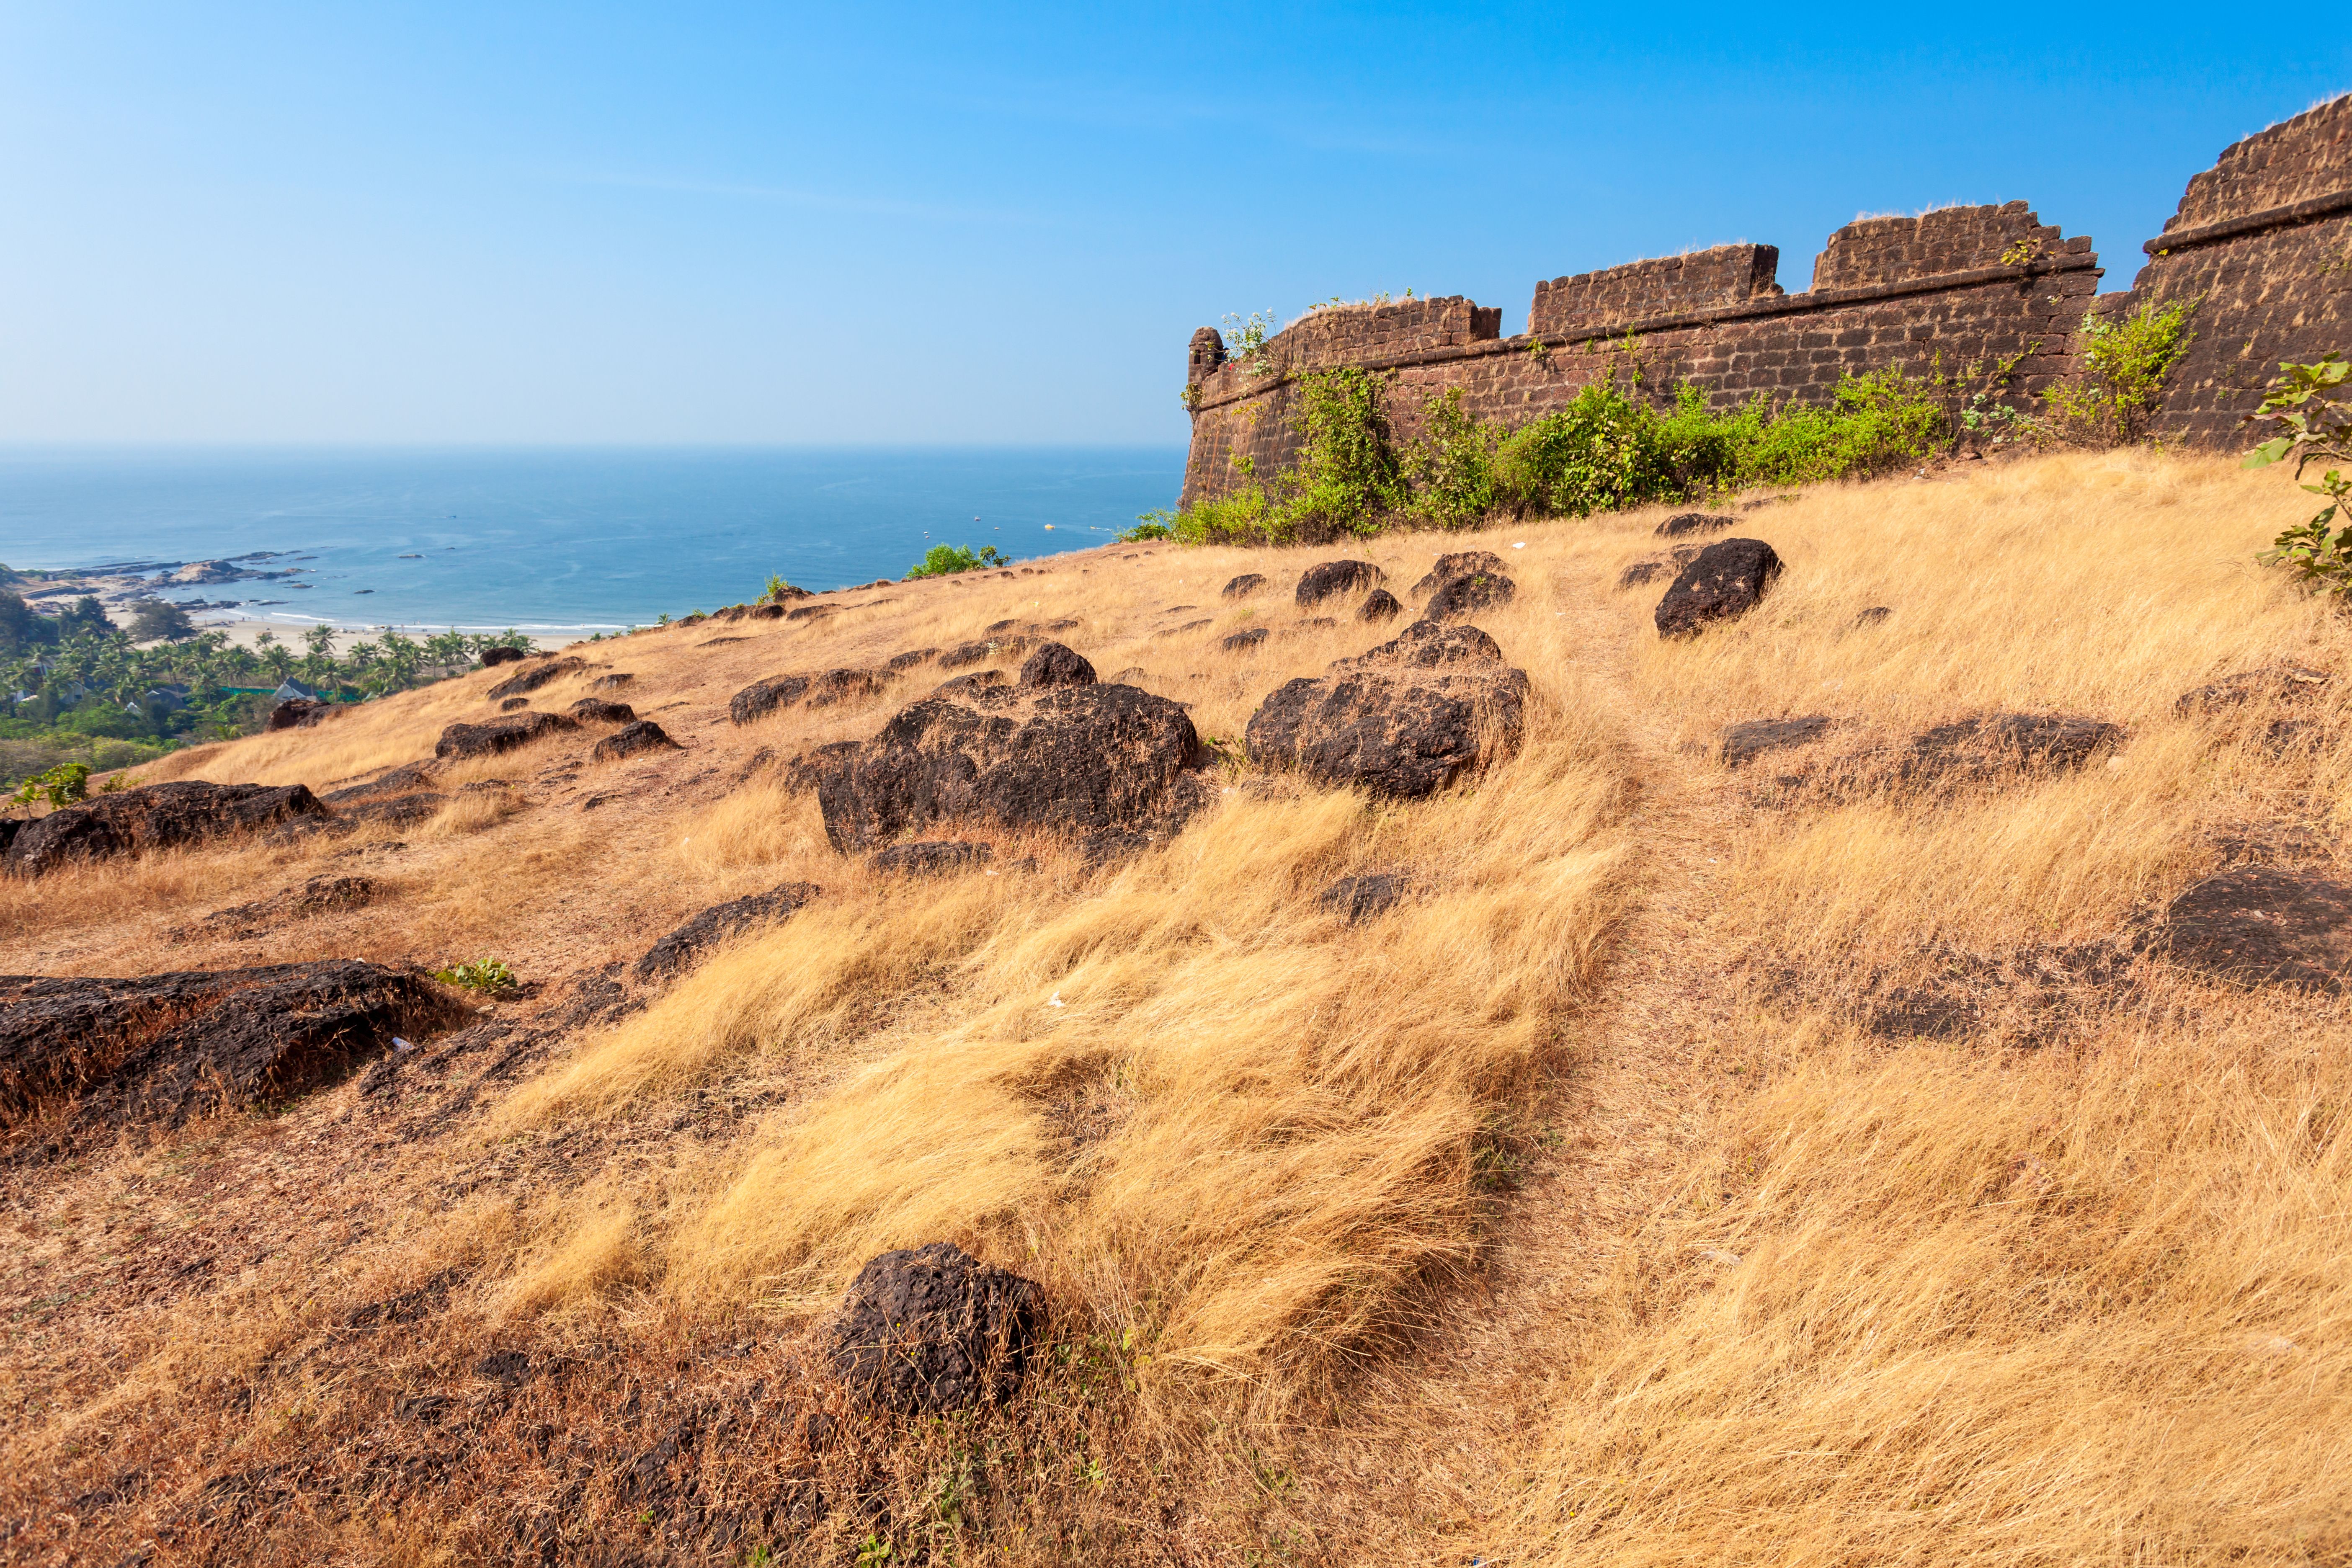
<point x="153" y="816"/>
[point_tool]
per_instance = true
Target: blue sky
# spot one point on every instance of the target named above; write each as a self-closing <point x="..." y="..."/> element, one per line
<point x="871" y="223"/>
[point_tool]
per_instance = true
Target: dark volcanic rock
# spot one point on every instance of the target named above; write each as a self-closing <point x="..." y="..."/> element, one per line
<point x="1643" y="571"/>
<point x="911" y="658"/>
<point x="596" y="710"/>
<point x="933" y="857"/>
<point x="684" y="947"/>
<point x="1461" y="564"/>
<point x="2273" y="683"/>
<point x="1872" y="617"/>
<point x="1243" y="641"/>
<point x="514" y="705"/>
<point x="296" y="714"/>
<point x="846" y="686"/>
<point x="399" y="810"/>
<point x="1242" y="586"/>
<point x="995" y="627"/>
<point x="971" y="653"/>
<point x="612" y="682"/>
<point x="494" y="656"/>
<point x="1074" y="758"/>
<point x="1380" y="605"/>
<point x="319" y="896"/>
<point x="1745" y="743"/>
<point x="1404" y="720"/>
<point x="1361" y="898"/>
<point x="1180" y="631"/>
<point x="1336" y="577"/>
<point x="1994" y="746"/>
<point x="499" y="735"/>
<point x="1469" y="593"/>
<point x="962" y="685"/>
<point x="399" y="781"/>
<point x="809" y="611"/>
<point x="2265" y="925"/>
<point x="934" y="1328"/>
<point x="1054" y="665"/>
<point x="758" y="700"/>
<point x="154" y="817"/>
<point x="525" y="682"/>
<point x="107" y="1052"/>
<point x="1689" y="522"/>
<point x="643" y="736"/>
<point x="801" y="774"/>
<point x="1726" y="581"/>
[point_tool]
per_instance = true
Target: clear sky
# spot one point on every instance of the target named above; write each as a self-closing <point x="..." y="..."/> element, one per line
<point x="873" y="223"/>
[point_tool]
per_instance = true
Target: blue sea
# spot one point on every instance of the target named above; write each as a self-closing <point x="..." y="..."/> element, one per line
<point x="557" y="539"/>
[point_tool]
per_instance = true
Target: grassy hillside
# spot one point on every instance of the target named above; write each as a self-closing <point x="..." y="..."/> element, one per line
<point x="1696" y="1167"/>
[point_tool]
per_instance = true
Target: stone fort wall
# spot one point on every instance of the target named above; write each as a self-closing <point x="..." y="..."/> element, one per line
<point x="2262" y="242"/>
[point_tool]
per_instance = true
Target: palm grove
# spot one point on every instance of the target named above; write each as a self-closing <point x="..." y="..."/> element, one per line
<point x="74" y="687"/>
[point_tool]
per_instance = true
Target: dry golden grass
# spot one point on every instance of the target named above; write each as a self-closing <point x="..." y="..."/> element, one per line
<point x="1434" y="1218"/>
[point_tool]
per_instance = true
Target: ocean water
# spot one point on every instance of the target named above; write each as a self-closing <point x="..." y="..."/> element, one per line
<point x="558" y="540"/>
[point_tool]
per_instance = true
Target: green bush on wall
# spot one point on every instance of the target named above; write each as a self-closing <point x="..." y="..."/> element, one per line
<point x="1605" y="450"/>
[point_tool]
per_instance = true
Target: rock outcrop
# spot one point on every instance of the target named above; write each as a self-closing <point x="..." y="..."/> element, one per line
<point x="1726" y="581"/>
<point x="2265" y="925"/>
<point x="1380" y="605"/>
<point x="846" y="686"/>
<point x="153" y="816"/>
<point x="2273" y="683"/>
<point x="1684" y="524"/>
<point x="523" y="682"/>
<point x="1460" y="563"/>
<point x="1404" y="721"/>
<point x="1469" y="593"/>
<point x="92" y="1054"/>
<point x="1358" y="899"/>
<point x="762" y="698"/>
<point x="1054" y="665"/>
<point x="1242" y="586"/>
<point x="499" y="735"/>
<point x="1333" y="578"/>
<point x="934" y="1328"/>
<point x="634" y="740"/>
<point x="1075" y="759"/>
<point x="494" y="656"/>
<point x="684" y="948"/>
<point x="597" y="710"/>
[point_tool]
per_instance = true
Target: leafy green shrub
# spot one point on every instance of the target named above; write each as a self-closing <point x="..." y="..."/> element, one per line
<point x="1148" y="526"/>
<point x="60" y="786"/>
<point x="1450" y="467"/>
<point x="2123" y="369"/>
<point x="2308" y="405"/>
<point x="1606" y="450"/>
<point x="946" y="560"/>
<point x="486" y="976"/>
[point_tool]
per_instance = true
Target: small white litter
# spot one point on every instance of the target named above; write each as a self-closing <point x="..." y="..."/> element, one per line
<point x="1057" y="1000"/>
<point x="1717" y="1255"/>
<point x="1522" y="544"/>
<point x="400" y="1045"/>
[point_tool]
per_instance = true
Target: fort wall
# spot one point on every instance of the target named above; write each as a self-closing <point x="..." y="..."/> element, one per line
<point x="2263" y="241"/>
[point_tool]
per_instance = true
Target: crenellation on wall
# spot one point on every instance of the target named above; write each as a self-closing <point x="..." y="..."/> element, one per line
<point x="1950" y="239"/>
<point x="1696" y="280"/>
<point x="2262" y="249"/>
<point x="2260" y="252"/>
<point x="2294" y="161"/>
